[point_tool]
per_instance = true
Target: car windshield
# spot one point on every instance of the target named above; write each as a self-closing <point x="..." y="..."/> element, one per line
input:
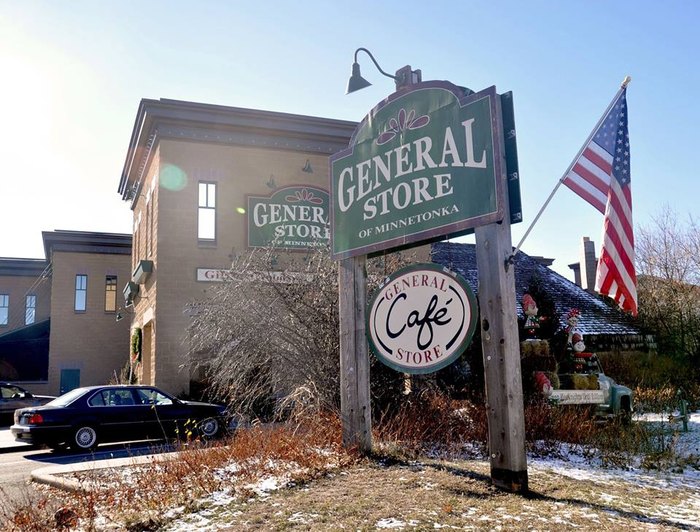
<point x="67" y="398"/>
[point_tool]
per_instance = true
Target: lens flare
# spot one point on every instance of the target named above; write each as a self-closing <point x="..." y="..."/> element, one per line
<point x="173" y="177"/>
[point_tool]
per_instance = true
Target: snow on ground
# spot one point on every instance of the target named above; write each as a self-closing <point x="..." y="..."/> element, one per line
<point x="570" y="462"/>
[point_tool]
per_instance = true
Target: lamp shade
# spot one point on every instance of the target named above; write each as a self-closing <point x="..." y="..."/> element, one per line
<point x="356" y="81"/>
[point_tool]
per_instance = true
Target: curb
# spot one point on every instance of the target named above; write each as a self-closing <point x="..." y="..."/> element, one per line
<point x="50" y="475"/>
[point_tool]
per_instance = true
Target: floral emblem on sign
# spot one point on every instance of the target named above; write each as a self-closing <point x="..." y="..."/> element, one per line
<point x="304" y="195"/>
<point x="401" y="123"/>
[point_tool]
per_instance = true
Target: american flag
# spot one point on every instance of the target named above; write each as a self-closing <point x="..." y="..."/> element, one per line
<point x="601" y="176"/>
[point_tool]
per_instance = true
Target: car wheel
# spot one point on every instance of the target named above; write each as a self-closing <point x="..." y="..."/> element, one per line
<point x="209" y="427"/>
<point x="85" y="439"/>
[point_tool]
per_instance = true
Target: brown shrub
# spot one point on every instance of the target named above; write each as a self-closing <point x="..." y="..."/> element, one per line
<point x="431" y="420"/>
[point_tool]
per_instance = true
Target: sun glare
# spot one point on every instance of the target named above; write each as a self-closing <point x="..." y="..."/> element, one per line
<point x="25" y="101"/>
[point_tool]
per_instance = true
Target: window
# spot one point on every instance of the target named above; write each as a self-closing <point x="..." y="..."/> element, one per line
<point x="148" y="396"/>
<point x="80" y="293"/>
<point x="4" y="309"/>
<point x="206" y="229"/>
<point x="112" y="397"/>
<point x="30" y="310"/>
<point x="111" y="293"/>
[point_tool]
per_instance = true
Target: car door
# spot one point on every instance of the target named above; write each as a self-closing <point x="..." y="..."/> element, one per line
<point x="148" y="399"/>
<point x="170" y="415"/>
<point x="117" y="415"/>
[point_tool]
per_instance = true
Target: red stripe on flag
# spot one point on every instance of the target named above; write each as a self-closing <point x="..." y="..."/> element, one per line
<point x="613" y="239"/>
<point x="596" y="159"/>
<point x="593" y="179"/>
<point x="617" y="207"/>
<point x="573" y="185"/>
<point x="613" y="276"/>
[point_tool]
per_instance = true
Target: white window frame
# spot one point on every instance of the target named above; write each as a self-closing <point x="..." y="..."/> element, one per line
<point x="80" y="289"/>
<point x="206" y="212"/>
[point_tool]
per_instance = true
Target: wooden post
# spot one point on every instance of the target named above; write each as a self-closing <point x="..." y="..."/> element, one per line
<point x="354" y="360"/>
<point x="501" y="350"/>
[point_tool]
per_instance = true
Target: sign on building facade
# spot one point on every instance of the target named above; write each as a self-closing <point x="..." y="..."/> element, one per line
<point x="294" y="217"/>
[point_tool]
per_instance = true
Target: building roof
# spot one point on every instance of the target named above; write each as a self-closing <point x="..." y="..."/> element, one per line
<point x="597" y="317"/>
<point x="219" y="124"/>
<point x="86" y="242"/>
<point x="22" y="267"/>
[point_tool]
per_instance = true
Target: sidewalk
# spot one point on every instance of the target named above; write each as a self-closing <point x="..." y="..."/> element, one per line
<point x="55" y="475"/>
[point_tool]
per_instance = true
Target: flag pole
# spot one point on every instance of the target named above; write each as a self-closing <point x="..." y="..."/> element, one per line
<point x="623" y="86"/>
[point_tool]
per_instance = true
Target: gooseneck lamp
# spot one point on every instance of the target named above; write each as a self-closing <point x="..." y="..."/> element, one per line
<point x="404" y="76"/>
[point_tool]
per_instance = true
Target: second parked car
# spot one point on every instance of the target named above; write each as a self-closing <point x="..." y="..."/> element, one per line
<point x="85" y="417"/>
<point x="13" y="397"/>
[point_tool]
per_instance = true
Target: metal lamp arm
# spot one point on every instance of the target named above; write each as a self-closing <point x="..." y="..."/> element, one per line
<point x="374" y="61"/>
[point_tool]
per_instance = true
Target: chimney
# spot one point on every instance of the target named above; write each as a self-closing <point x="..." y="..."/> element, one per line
<point x="576" y="267"/>
<point x="588" y="265"/>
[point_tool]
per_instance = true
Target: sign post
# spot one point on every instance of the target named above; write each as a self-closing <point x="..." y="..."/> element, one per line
<point x="500" y="347"/>
<point x="430" y="162"/>
<point x="354" y="359"/>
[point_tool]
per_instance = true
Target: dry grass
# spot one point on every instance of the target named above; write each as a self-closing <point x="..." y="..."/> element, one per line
<point x="430" y="494"/>
<point x="331" y="488"/>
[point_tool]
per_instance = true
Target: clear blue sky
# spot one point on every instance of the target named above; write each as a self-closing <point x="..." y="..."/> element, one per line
<point x="73" y="73"/>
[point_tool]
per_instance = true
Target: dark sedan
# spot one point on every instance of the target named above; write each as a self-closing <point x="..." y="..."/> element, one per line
<point x="13" y="397"/>
<point x="85" y="417"/>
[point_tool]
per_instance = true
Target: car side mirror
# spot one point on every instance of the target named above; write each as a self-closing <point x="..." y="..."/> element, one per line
<point x="27" y="395"/>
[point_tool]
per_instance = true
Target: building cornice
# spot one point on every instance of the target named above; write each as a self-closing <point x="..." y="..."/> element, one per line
<point x="157" y="120"/>
<point x="86" y="242"/>
<point x="22" y="267"/>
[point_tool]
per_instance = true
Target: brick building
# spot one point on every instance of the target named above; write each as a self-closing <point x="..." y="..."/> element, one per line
<point x="205" y="183"/>
<point x="57" y="315"/>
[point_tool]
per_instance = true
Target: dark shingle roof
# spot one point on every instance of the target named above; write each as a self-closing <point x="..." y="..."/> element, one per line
<point x="597" y="317"/>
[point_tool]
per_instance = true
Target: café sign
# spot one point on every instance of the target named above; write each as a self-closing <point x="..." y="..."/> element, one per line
<point x="421" y="318"/>
<point x="294" y="217"/>
<point x="424" y="163"/>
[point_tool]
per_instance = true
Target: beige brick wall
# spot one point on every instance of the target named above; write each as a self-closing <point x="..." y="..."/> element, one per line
<point x="18" y="287"/>
<point x="91" y="341"/>
<point x="237" y="171"/>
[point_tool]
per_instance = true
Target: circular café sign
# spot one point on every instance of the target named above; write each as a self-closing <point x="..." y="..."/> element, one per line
<point x="421" y="318"/>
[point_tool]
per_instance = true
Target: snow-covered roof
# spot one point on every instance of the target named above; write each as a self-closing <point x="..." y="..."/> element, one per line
<point x="597" y="316"/>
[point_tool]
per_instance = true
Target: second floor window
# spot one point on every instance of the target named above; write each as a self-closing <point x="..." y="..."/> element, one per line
<point x="111" y="293"/>
<point x="4" y="309"/>
<point x="30" y="310"/>
<point x="80" y="293"/>
<point x="206" y="216"/>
